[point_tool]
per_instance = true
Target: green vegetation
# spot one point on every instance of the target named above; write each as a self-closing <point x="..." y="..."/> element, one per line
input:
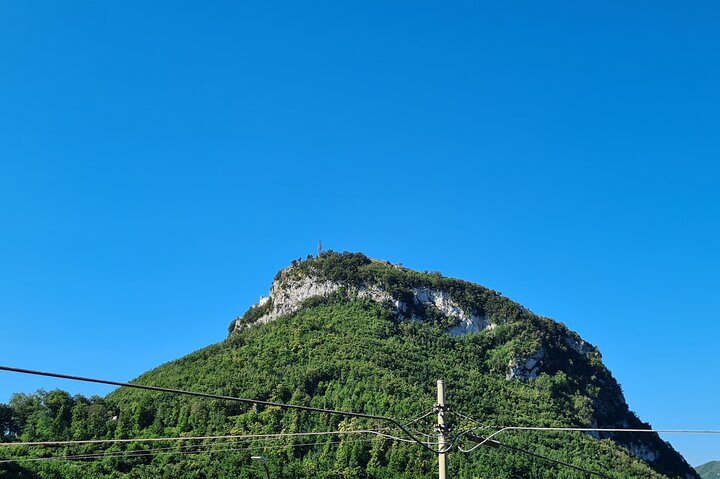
<point x="344" y="353"/>
<point x="709" y="470"/>
<point x="357" y="270"/>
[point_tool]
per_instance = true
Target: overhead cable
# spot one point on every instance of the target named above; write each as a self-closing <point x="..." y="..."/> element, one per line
<point x="589" y="429"/>
<point x="248" y="437"/>
<point x="225" y="398"/>
<point x="549" y="459"/>
<point x="164" y="451"/>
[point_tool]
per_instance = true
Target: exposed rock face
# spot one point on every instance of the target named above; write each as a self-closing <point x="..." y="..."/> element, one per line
<point x="468" y="322"/>
<point x="643" y="451"/>
<point x="525" y="369"/>
<point x="288" y="294"/>
<point x="290" y="290"/>
<point x="579" y="345"/>
<point x="287" y="298"/>
<point x="464" y="308"/>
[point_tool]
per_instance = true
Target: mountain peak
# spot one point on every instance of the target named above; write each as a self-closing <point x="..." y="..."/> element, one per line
<point x="346" y="332"/>
<point x="457" y="307"/>
<point x="461" y="307"/>
<point x="520" y="347"/>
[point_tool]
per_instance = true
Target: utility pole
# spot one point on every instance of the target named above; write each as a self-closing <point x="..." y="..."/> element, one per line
<point x="442" y="430"/>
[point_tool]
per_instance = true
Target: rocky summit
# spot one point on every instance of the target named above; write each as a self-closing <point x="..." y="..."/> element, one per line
<point x="345" y="332"/>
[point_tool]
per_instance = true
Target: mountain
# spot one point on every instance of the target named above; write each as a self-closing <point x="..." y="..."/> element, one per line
<point x="342" y="331"/>
<point x="709" y="470"/>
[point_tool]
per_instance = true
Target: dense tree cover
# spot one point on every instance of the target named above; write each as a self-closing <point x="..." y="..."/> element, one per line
<point x="346" y="354"/>
<point x="709" y="470"/>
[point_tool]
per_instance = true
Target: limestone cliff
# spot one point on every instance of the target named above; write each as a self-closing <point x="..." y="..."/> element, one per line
<point x="525" y="347"/>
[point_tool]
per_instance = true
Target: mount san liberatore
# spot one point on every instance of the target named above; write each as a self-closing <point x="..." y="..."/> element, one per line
<point x="345" y="332"/>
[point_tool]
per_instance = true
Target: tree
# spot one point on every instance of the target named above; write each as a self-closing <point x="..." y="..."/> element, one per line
<point x="8" y="426"/>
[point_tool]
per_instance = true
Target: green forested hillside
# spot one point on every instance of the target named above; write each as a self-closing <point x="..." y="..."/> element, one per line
<point x="709" y="470"/>
<point x="352" y="354"/>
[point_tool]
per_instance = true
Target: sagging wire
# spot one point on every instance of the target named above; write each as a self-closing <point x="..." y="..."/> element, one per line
<point x="165" y="451"/>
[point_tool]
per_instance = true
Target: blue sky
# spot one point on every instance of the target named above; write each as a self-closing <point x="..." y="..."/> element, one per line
<point x="160" y="162"/>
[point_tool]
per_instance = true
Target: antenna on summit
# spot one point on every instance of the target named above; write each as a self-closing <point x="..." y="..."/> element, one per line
<point x="320" y="250"/>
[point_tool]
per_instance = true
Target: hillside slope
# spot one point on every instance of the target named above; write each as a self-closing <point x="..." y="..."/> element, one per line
<point x="709" y="470"/>
<point x="345" y="332"/>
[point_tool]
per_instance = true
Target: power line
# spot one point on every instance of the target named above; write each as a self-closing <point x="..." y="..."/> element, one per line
<point x="481" y="440"/>
<point x="501" y="429"/>
<point x="184" y="448"/>
<point x="248" y="437"/>
<point x="207" y="448"/>
<point x="421" y="417"/>
<point x="548" y="459"/>
<point x="466" y="430"/>
<point x="198" y="448"/>
<point x="180" y="449"/>
<point x="468" y="418"/>
<point x="164" y="451"/>
<point x="589" y="429"/>
<point x="221" y="397"/>
<point x="596" y="429"/>
<point x="490" y="442"/>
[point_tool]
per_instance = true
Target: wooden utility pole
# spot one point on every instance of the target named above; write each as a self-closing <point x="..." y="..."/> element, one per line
<point x="442" y="430"/>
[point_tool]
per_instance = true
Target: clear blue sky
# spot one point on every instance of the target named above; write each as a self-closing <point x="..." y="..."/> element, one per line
<point x="160" y="161"/>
